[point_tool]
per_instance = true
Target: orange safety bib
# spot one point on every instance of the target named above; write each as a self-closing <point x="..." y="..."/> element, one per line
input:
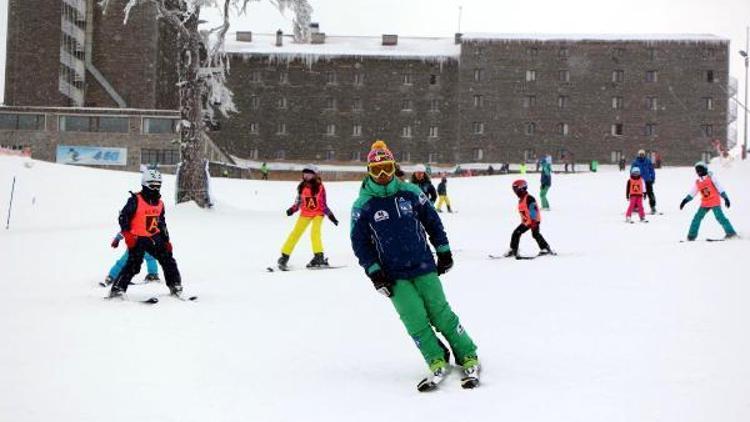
<point x="709" y="194"/>
<point x="146" y="219"/>
<point x="311" y="205"/>
<point x="523" y="209"/>
<point x="636" y="187"/>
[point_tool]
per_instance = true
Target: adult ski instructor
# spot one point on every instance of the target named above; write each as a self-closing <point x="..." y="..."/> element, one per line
<point x="390" y="223"/>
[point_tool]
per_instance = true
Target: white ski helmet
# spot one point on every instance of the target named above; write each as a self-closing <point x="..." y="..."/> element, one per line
<point x="636" y="171"/>
<point x="151" y="178"/>
<point x="420" y="168"/>
<point x="310" y="168"/>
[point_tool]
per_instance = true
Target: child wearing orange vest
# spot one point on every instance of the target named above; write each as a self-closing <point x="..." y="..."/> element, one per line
<point x="531" y="218"/>
<point x="711" y="195"/>
<point x="144" y="229"/>
<point x="311" y="202"/>
<point x="634" y="194"/>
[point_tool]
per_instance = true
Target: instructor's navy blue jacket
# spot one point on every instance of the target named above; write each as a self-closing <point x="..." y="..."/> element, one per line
<point x="390" y="225"/>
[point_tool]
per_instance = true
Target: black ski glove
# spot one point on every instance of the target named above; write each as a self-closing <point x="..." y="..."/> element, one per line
<point x="382" y="283"/>
<point x="726" y="200"/>
<point x="333" y="219"/>
<point x="289" y="212"/>
<point x="684" y="201"/>
<point x="445" y="262"/>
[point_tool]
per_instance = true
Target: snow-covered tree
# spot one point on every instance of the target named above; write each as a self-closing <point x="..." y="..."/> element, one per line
<point x="202" y="69"/>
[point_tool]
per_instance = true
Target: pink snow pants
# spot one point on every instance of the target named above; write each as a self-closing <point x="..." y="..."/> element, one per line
<point x="636" y="203"/>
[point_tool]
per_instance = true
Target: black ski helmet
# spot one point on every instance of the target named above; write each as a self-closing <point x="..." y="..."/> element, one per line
<point x="701" y="168"/>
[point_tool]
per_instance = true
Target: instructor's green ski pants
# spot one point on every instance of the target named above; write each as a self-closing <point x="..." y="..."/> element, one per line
<point x="695" y="225"/>
<point x="421" y="304"/>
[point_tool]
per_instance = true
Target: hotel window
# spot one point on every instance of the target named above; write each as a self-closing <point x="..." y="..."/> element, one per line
<point x="478" y="101"/>
<point x="709" y="76"/>
<point x="478" y="154"/>
<point x="530" y="128"/>
<point x="708" y="130"/>
<point x="94" y="124"/>
<point x="330" y="103"/>
<point x="434" y="105"/>
<point x="407" y="79"/>
<point x="478" y="128"/>
<point x="563" y="52"/>
<point x="156" y="125"/>
<point x="562" y="129"/>
<point x="331" y="130"/>
<point x="254" y="154"/>
<point x="529" y="101"/>
<point x="355" y="156"/>
<point x="478" y="75"/>
<point x="652" y="54"/>
<point x="283" y="77"/>
<point x="404" y="156"/>
<point x="433" y="157"/>
<point x="618" y="76"/>
<point x="617" y="129"/>
<point x="532" y="51"/>
<point x="434" y="79"/>
<point x="652" y="76"/>
<point x="357" y="130"/>
<point x="330" y="77"/>
<point x="652" y="103"/>
<point x="406" y="132"/>
<point x="167" y="157"/>
<point x="254" y="102"/>
<point x="281" y="128"/>
<point x="618" y="52"/>
<point x="330" y="155"/>
<point x="280" y="154"/>
<point x="563" y="76"/>
<point x="530" y="75"/>
<point x="650" y="129"/>
<point x="255" y="76"/>
<point x="562" y="101"/>
<point x="26" y="121"/>
<point x="407" y="105"/>
<point x="254" y="128"/>
<point x="618" y="103"/>
<point x="359" y="79"/>
<point x="357" y="104"/>
<point x="708" y="103"/>
<point x="281" y="102"/>
<point x="433" y="131"/>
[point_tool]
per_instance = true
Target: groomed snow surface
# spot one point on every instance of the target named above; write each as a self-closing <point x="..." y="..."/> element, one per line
<point x="627" y="324"/>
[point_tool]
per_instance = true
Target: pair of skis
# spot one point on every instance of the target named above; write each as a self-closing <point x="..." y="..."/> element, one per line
<point x="318" y="268"/>
<point x="152" y="300"/>
<point x="469" y="381"/>
<point x="521" y="257"/>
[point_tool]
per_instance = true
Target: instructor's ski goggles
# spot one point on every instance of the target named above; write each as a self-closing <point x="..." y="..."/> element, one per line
<point x="387" y="168"/>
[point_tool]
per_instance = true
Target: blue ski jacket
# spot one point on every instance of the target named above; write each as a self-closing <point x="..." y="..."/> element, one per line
<point x="389" y="230"/>
<point x="646" y="167"/>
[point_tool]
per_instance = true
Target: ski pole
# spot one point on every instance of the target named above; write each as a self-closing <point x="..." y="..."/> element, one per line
<point x="10" y="206"/>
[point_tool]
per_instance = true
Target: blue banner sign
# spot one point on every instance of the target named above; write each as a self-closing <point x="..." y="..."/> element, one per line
<point x="87" y="155"/>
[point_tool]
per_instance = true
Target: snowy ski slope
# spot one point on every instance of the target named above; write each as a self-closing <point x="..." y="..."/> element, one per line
<point x="627" y="324"/>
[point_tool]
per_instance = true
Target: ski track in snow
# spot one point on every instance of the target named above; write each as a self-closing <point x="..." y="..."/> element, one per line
<point x="627" y="324"/>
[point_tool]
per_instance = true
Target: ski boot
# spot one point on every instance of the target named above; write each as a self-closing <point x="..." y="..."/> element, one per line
<point x="730" y="236"/>
<point x="318" y="261"/>
<point x="471" y="372"/>
<point x="547" y="251"/>
<point x="107" y="282"/>
<point x="450" y="211"/>
<point x="643" y="220"/>
<point x="176" y="290"/>
<point x="653" y="211"/>
<point x="282" y="262"/>
<point x="151" y="278"/>
<point x="116" y="293"/>
<point x="439" y="210"/>
<point x="510" y="253"/>
<point x="628" y="220"/>
<point x="439" y="369"/>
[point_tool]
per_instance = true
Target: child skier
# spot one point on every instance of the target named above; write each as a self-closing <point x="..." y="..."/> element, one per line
<point x="711" y="196"/>
<point x="531" y="218"/>
<point x="311" y="202"/>
<point x="546" y="182"/>
<point x="398" y="260"/>
<point x="422" y="180"/>
<point x="634" y="189"/>
<point x="144" y="229"/>
<point x="151" y="265"/>
<point x="442" y="191"/>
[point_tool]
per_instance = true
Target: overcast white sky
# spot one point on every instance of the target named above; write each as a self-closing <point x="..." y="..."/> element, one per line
<point x="726" y="18"/>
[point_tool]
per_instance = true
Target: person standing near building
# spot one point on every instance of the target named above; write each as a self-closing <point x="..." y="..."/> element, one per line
<point x="522" y="168"/>
<point x="443" y="198"/>
<point x="264" y="171"/>
<point x="711" y="195"/>
<point x="422" y="180"/>
<point x="152" y="274"/>
<point x="649" y="177"/>
<point x="311" y="202"/>
<point x="391" y="222"/>
<point x="634" y="189"/>
<point x="531" y="219"/>
<point x="144" y="229"/>
<point x="546" y="182"/>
